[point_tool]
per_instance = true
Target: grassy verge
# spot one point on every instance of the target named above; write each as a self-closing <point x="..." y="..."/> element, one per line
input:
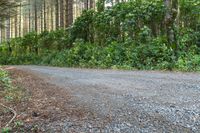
<point x="9" y="92"/>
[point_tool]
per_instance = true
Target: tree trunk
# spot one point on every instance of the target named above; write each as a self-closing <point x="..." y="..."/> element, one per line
<point x="16" y="26"/>
<point x="36" y="19"/>
<point x="52" y="18"/>
<point x="62" y="13"/>
<point x="29" y="17"/>
<point x="57" y="14"/>
<point x="168" y="20"/>
<point x="66" y="13"/>
<point x="8" y="28"/>
<point x="20" y="20"/>
<point x="41" y="19"/>
<point x="45" y="23"/>
<point x="70" y="12"/>
<point x="91" y="4"/>
<point x="86" y="4"/>
<point x="171" y="23"/>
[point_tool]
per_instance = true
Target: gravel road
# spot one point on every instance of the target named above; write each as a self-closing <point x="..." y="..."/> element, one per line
<point x="128" y="101"/>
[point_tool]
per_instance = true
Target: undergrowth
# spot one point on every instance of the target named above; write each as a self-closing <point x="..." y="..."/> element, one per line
<point x="9" y="92"/>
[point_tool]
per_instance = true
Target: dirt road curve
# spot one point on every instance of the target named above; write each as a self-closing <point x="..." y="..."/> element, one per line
<point x="131" y="101"/>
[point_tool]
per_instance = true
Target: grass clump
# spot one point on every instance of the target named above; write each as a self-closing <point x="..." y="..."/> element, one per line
<point x="8" y="91"/>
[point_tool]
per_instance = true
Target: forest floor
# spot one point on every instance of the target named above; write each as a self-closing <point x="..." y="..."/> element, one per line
<point x="83" y="100"/>
<point x="43" y="103"/>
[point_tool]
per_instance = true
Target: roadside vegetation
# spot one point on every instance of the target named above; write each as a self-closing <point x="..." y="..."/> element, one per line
<point x="8" y="91"/>
<point x="9" y="95"/>
<point x="130" y="35"/>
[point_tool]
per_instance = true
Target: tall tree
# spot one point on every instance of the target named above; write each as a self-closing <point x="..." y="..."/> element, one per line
<point x="52" y="18"/>
<point x="36" y="18"/>
<point x="70" y="12"/>
<point x="91" y="4"/>
<point x="66" y="13"/>
<point x="20" y="19"/>
<point x="62" y="13"/>
<point x="57" y="14"/>
<point x="16" y="25"/>
<point x="171" y="21"/>
<point x="86" y="2"/>
<point x="29" y="15"/>
<point x="45" y="22"/>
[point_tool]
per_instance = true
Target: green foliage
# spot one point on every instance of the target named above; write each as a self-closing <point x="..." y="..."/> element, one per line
<point x="6" y="130"/>
<point x="189" y="61"/>
<point x="54" y="40"/>
<point x="4" y="79"/>
<point x="130" y="35"/>
<point x="19" y="124"/>
<point x="83" y="27"/>
<point x="151" y="56"/>
<point x="9" y="92"/>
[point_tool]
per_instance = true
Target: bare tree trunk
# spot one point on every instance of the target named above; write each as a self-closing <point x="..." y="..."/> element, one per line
<point x="36" y="19"/>
<point x="52" y="18"/>
<point x="8" y="28"/>
<point x="0" y="35"/>
<point x="57" y="14"/>
<point x="1" y="32"/>
<point x="36" y="25"/>
<point x="29" y="17"/>
<point x="66" y="13"/>
<point x="168" y="20"/>
<point x="172" y="19"/>
<point x="25" y="24"/>
<point x="8" y="35"/>
<point x="42" y="19"/>
<point x="91" y="4"/>
<point x="11" y="27"/>
<point x="45" y="23"/>
<point x="86" y="4"/>
<point x="20" y="20"/>
<point x="176" y="17"/>
<point x="70" y="12"/>
<point x="16" y="26"/>
<point x="62" y="13"/>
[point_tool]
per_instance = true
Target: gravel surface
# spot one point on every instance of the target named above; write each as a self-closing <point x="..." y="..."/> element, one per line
<point x="127" y="101"/>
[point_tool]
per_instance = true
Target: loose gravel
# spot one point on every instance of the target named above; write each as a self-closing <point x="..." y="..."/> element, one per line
<point x="127" y="101"/>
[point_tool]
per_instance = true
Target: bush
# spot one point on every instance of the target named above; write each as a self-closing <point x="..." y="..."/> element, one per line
<point x="5" y="81"/>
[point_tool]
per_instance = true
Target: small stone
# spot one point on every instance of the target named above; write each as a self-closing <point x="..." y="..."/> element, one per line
<point x="89" y="126"/>
<point x="157" y="111"/>
<point x="116" y="129"/>
<point x="128" y="124"/>
<point x="172" y="106"/>
<point x="35" y="114"/>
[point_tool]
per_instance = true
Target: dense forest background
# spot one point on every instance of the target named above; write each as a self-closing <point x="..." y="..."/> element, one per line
<point x="135" y="34"/>
<point x="40" y="15"/>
